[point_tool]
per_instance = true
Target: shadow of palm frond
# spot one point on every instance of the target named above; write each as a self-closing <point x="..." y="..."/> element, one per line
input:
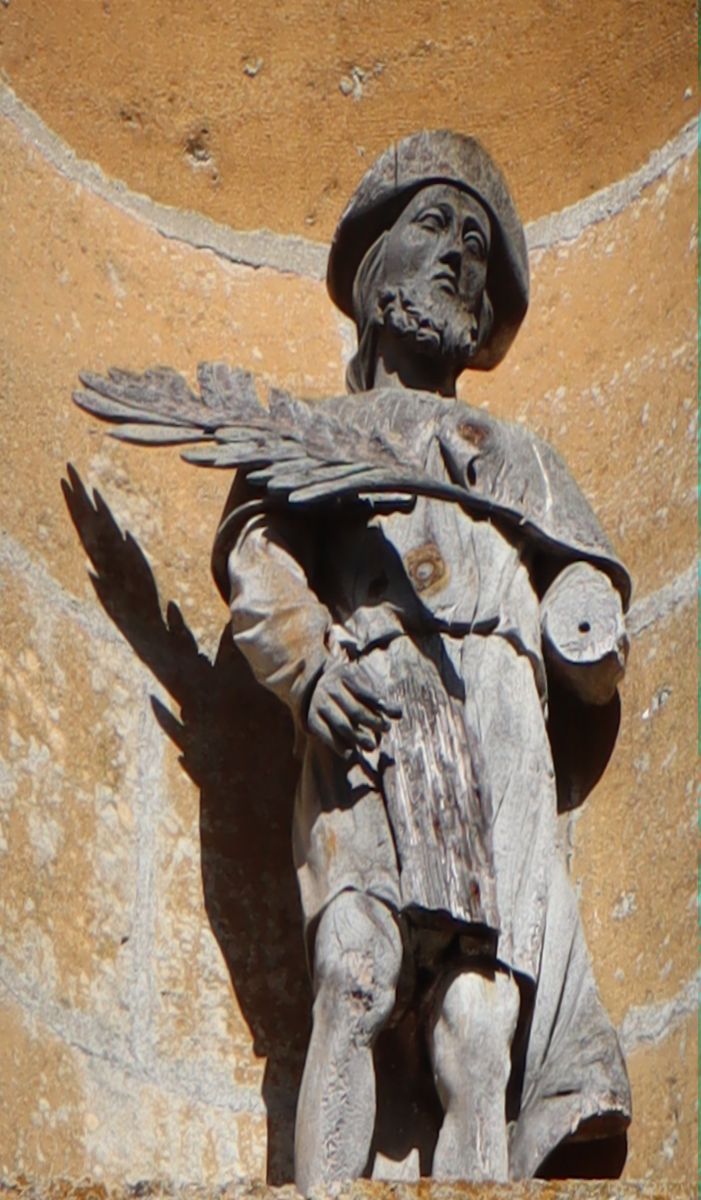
<point x="235" y="743"/>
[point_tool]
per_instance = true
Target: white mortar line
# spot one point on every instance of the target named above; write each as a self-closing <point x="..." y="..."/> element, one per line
<point x="75" y="1028"/>
<point x="649" y="1024"/>
<point x="567" y="224"/>
<point x="285" y="253"/>
<point x="290" y="253"/>
<point x="659" y="605"/>
<point x="88" y="614"/>
<point x="150" y="803"/>
<point x="202" y="1080"/>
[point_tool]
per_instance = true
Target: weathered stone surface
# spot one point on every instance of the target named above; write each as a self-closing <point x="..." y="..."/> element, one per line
<point x="362" y="1189"/>
<point x="202" y="108"/>
<point x="664" y="1136"/>
<point x="67" y="912"/>
<point x="605" y="369"/>
<point x="84" y="808"/>
<point x="42" y="1115"/>
<point x="634" y="841"/>
<point x="170" y="1055"/>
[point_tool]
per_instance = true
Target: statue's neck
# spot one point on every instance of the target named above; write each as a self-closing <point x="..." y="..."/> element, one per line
<point x="395" y="366"/>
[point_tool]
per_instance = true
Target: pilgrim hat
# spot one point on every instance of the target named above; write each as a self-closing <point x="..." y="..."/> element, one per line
<point x="419" y="161"/>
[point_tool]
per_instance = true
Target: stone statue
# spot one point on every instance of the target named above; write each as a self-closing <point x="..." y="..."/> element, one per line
<point x="428" y="591"/>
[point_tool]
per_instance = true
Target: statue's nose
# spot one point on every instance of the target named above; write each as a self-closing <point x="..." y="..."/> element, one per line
<point x="452" y="258"/>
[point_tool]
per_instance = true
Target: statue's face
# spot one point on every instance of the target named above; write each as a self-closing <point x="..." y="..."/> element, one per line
<point x="435" y="271"/>
<point x="442" y="237"/>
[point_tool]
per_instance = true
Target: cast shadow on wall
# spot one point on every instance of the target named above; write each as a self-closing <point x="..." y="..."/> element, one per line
<point x="235" y="743"/>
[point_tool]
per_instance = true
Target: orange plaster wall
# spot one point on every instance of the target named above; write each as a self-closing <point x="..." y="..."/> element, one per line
<point x="262" y="116"/>
<point x="153" y="997"/>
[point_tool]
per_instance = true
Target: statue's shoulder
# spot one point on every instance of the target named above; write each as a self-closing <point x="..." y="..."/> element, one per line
<point x="395" y="407"/>
<point x="524" y="475"/>
<point x="406" y="418"/>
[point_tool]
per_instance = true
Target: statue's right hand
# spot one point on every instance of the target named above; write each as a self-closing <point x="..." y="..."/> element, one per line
<point x="346" y="710"/>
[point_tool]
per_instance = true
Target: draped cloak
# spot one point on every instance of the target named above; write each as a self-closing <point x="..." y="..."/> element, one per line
<point x="454" y="822"/>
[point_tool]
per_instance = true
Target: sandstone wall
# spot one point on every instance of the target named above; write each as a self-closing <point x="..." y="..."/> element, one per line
<point x="154" y="1000"/>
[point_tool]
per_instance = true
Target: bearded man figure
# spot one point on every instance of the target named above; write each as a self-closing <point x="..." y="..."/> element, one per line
<point x="431" y="654"/>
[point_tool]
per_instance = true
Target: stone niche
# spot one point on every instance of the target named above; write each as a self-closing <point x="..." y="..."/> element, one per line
<point x="154" y="1001"/>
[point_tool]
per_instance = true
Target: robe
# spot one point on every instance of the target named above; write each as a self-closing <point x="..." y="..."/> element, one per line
<point x="453" y="823"/>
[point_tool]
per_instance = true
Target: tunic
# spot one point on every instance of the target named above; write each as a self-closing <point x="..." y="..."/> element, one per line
<point x="454" y="821"/>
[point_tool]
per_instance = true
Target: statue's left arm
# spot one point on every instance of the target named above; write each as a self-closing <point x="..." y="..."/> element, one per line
<point x="526" y="482"/>
<point x="584" y="635"/>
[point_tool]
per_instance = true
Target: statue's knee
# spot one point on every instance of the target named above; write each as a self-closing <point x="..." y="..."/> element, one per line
<point x="357" y="960"/>
<point x="476" y="1013"/>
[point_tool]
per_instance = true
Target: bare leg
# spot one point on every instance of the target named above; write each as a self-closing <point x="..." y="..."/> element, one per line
<point x="470" y="1043"/>
<point x="357" y="959"/>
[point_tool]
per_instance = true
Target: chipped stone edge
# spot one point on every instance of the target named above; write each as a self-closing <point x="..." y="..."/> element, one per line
<point x="289" y="253"/>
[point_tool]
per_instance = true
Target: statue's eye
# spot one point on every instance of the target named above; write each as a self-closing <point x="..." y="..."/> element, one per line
<point x="474" y="244"/>
<point x="432" y="219"/>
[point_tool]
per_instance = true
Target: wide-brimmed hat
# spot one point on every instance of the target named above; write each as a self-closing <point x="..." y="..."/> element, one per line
<point x="419" y="161"/>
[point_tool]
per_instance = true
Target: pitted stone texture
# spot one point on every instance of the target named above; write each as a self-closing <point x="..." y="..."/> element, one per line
<point x="634" y="858"/>
<point x="85" y="824"/>
<point x="177" y="1053"/>
<point x="361" y="1189"/>
<point x="41" y="1114"/>
<point x="68" y="882"/>
<point x="664" y="1136"/>
<point x="267" y="120"/>
<point x="605" y="369"/>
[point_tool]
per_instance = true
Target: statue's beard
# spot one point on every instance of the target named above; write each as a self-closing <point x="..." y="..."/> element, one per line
<point x="436" y="323"/>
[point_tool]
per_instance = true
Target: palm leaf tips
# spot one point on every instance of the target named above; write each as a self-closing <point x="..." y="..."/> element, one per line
<point x="290" y="448"/>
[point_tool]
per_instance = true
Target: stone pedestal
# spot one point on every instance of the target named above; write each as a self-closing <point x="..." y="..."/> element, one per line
<point x="427" y="1189"/>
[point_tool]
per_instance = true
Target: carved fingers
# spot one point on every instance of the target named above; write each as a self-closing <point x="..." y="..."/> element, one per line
<point x="347" y="711"/>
